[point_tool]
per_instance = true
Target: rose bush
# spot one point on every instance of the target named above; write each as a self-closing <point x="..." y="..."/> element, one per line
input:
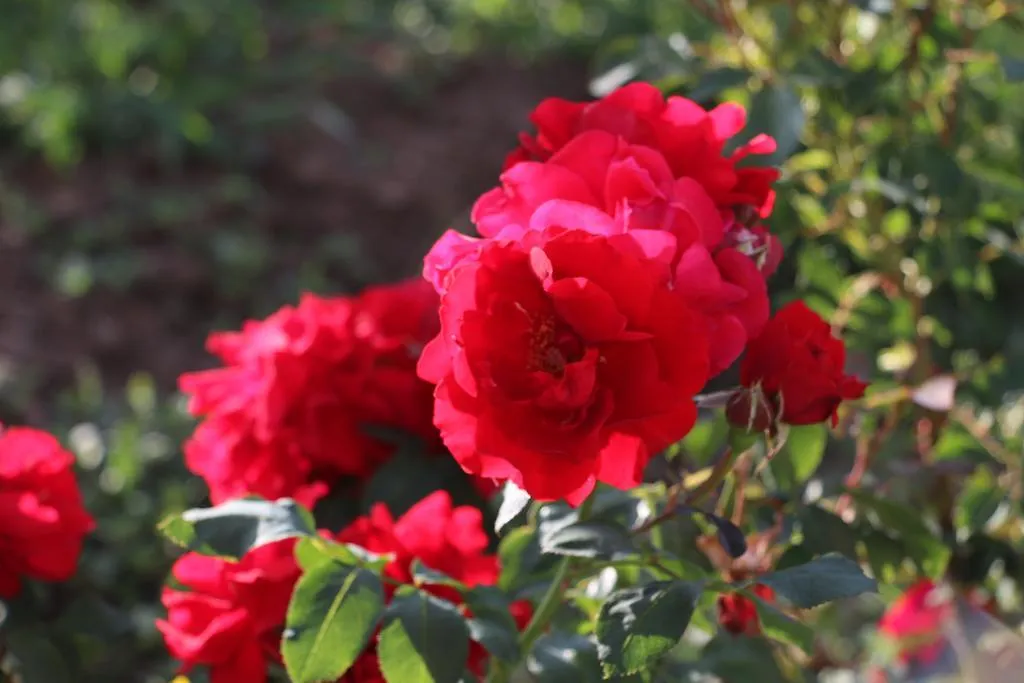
<point x="229" y="616"/>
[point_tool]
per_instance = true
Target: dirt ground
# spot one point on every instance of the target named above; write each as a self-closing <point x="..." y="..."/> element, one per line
<point x="411" y="168"/>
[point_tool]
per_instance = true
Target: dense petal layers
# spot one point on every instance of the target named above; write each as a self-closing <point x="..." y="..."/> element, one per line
<point x="287" y="414"/>
<point x="794" y="371"/>
<point x="564" y="358"/>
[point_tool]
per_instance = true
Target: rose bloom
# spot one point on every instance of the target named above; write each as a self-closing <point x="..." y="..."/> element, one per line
<point x="737" y="614"/>
<point x="230" y="616"/>
<point x="794" y="373"/>
<point x="917" y="620"/>
<point x="691" y="139"/>
<point x="288" y="412"/>
<point x="42" y="518"/>
<point x="447" y="539"/>
<point x="648" y="164"/>
<point x="564" y="358"/>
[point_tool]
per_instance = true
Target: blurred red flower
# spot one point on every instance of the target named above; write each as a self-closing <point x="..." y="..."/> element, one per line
<point x="42" y="518"/>
<point x="737" y="613"/>
<point x="287" y="415"/>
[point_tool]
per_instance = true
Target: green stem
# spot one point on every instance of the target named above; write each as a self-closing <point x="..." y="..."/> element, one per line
<point x="552" y="599"/>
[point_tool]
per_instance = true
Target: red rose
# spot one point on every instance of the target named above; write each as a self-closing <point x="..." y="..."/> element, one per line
<point x="609" y="186"/>
<point x="737" y="613"/>
<point x="42" y="519"/>
<point x="564" y="358"/>
<point x="287" y="415"/>
<point x="230" y="616"/>
<point x="797" y="368"/>
<point x="691" y="139"/>
<point x="917" y="620"/>
<point x="447" y="539"/>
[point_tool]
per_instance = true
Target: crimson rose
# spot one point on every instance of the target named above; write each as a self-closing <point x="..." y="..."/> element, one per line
<point x="564" y="359"/>
<point x="737" y="613"/>
<point x="230" y="616"/>
<point x="447" y="539"/>
<point x="691" y="139"/>
<point x="794" y="372"/>
<point x="647" y="164"/>
<point x="42" y="518"/>
<point x="287" y="416"/>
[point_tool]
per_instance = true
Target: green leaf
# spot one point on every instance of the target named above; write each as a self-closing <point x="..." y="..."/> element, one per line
<point x="333" y="613"/>
<point x="800" y="456"/>
<point x="736" y="657"/>
<point x="826" y="532"/>
<point x="824" y="579"/>
<point x="513" y="501"/>
<point x="424" y="639"/>
<point x="422" y="575"/>
<point x="491" y="623"/>
<point x="519" y="556"/>
<point x="564" y="658"/>
<point x="233" y="528"/>
<point x="780" y="627"/>
<point x="715" y="81"/>
<point x="776" y="110"/>
<point x="589" y="539"/>
<point x="1013" y="68"/>
<point x="639" y="624"/>
<point x="312" y="551"/>
<point x="926" y="550"/>
<point x="979" y="500"/>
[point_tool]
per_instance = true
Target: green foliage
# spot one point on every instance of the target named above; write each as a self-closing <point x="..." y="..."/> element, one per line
<point x="334" y="611"/>
<point x="638" y="625"/>
<point x="233" y="528"/>
<point x="822" y="580"/>
<point x="424" y="639"/>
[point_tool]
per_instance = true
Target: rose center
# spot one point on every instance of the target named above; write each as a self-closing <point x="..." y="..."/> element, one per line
<point x="552" y="346"/>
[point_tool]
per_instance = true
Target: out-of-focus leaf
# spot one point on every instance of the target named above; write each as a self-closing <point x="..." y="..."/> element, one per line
<point x="560" y="657"/>
<point x="777" y="111"/>
<point x="979" y="500"/>
<point x="638" y="625"/>
<point x="777" y="625"/>
<point x="233" y="528"/>
<point x="424" y="639"/>
<point x="588" y="539"/>
<point x="800" y="456"/>
<point x="822" y="580"/>
<point x="332" y="614"/>
<point x="1013" y="68"/>
<point x="825" y="532"/>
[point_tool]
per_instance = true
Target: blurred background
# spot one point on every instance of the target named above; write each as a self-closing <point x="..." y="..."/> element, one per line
<point x="171" y="167"/>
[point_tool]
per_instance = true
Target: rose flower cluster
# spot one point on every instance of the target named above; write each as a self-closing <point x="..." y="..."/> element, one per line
<point x="619" y="264"/>
<point x="229" y="616"/>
